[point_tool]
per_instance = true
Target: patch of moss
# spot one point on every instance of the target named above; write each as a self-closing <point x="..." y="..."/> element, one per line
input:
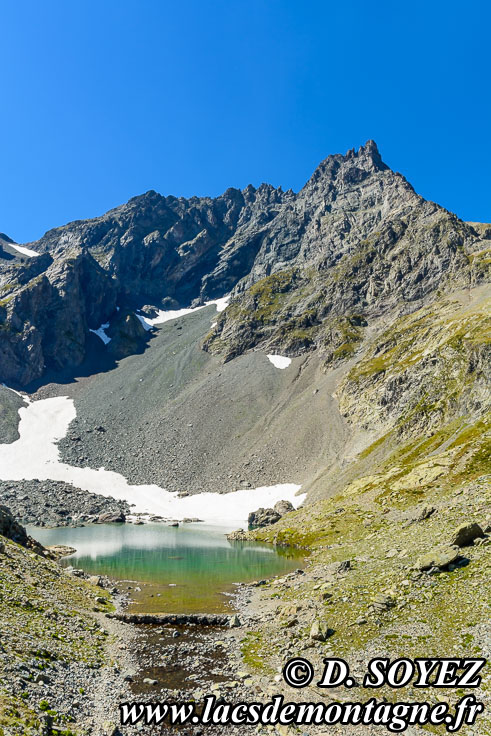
<point x="252" y="649"/>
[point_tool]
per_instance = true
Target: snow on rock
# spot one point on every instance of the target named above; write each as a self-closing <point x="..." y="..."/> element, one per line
<point x="24" y="251"/>
<point x="279" y="361"/>
<point x="100" y="333"/>
<point x="167" y="315"/>
<point x="24" y="397"/>
<point x="221" y="303"/>
<point x="35" y="455"/>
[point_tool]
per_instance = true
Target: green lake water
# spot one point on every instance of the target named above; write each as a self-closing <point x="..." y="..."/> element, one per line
<point x="187" y="569"/>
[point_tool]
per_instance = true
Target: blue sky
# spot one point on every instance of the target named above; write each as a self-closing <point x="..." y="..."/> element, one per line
<point x="104" y="100"/>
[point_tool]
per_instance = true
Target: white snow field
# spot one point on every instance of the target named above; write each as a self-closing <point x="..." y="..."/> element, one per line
<point x="167" y="315"/>
<point x="35" y="455"/>
<point x="279" y="361"/>
<point x="24" y="251"/>
<point x="100" y="333"/>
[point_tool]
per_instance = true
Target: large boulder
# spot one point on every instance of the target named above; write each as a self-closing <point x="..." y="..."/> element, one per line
<point x="110" y="517"/>
<point x="466" y="533"/>
<point x="262" y="517"/>
<point x="439" y="557"/>
<point x="283" y="507"/>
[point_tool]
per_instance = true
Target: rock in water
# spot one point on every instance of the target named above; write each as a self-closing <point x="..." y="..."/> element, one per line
<point x="262" y="517"/>
<point x="109" y="518"/>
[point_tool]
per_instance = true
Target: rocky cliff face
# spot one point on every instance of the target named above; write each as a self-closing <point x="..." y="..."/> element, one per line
<point x="357" y="242"/>
<point x="307" y="270"/>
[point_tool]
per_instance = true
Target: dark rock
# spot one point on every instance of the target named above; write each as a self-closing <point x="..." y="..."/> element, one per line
<point x="10" y="528"/>
<point x="466" y="533"/>
<point x="262" y="517"/>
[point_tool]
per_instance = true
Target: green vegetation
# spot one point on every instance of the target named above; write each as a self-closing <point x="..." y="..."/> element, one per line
<point x="253" y="647"/>
<point x="45" y="619"/>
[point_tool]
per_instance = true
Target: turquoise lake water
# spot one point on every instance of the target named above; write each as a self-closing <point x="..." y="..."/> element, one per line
<point x="185" y="569"/>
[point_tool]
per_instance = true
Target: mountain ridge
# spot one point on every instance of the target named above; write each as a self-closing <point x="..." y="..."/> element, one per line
<point x="171" y="252"/>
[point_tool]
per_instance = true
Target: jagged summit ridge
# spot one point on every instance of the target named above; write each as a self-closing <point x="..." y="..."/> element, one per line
<point x="367" y="159"/>
<point x="355" y="238"/>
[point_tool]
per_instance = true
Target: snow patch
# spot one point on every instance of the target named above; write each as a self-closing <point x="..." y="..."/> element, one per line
<point x="100" y="333"/>
<point x="167" y="315"/>
<point x="222" y="303"/>
<point x="25" y="251"/>
<point x="279" y="361"/>
<point x="35" y="455"/>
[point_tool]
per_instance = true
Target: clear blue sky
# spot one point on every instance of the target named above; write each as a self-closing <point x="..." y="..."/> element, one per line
<point x="104" y="100"/>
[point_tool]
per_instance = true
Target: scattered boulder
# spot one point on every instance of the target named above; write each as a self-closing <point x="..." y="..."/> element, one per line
<point x="289" y="610"/>
<point x="381" y="603"/>
<point x="235" y="622"/>
<point x="466" y="533"/>
<point x="439" y="557"/>
<point x="265" y="517"/>
<point x="95" y="580"/>
<point x="127" y="335"/>
<point x="342" y="567"/>
<point x="420" y="513"/>
<point x="319" y="631"/>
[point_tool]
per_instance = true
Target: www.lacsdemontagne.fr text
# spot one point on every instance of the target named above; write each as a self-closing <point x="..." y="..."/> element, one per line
<point x="396" y="717"/>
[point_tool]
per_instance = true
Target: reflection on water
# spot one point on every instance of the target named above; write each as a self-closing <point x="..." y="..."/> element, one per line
<point x="181" y="569"/>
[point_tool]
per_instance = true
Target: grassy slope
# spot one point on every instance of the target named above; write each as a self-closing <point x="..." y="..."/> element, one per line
<point x="46" y="620"/>
<point x="429" y="446"/>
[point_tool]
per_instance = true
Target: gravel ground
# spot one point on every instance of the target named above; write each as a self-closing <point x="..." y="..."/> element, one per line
<point x="54" y="503"/>
<point x="177" y="417"/>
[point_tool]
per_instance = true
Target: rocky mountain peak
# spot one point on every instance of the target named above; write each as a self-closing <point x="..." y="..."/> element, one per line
<point x="350" y="169"/>
<point x="370" y="155"/>
<point x="356" y="237"/>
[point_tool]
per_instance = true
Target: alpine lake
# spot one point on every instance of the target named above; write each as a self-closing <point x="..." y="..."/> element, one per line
<point x="186" y="569"/>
